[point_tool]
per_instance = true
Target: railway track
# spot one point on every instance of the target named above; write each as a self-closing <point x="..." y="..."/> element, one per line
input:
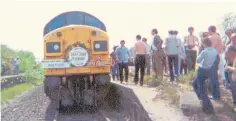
<point x="75" y="115"/>
<point x="97" y="116"/>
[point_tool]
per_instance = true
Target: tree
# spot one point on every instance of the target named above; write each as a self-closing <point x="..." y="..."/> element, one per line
<point x="229" y="21"/>
<point x="27" y="59"/>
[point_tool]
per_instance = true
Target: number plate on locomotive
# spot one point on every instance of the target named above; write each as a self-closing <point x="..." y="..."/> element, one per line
<point x="60" y="63"/>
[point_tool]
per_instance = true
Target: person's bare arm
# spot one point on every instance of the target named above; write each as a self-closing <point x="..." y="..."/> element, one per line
<point x="230" y="68"/>
<point x="197" y="41"/>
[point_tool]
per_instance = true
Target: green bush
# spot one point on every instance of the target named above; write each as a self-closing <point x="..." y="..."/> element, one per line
<point x="27" y="59"/>
<point x="187" y="79"/>
<point x="154" y="82"/>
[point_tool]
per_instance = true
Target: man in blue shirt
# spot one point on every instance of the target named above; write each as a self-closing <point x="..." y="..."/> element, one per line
<point x="208" y="61"/>
<point x="123" y="58"/>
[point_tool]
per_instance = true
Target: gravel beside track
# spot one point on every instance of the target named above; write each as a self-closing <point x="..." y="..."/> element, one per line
<point x="35" y="106"/>
<point x="30" y="106"/>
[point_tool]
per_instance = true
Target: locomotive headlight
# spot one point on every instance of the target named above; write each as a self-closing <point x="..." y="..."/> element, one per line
<point x="56" y="47"/>
<point x="53" y="47"/>
<point x="97" y="46"/>
<point x="100" y="46"/>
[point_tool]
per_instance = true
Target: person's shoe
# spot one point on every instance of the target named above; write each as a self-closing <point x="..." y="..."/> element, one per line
<point x="214" y="98"/>
<point x="234" y="109"/>
<point x="171" y="80"/>
<point x="208" y="111"/>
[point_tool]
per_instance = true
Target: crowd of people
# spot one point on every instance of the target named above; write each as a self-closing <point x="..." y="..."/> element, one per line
<point x="216" y="61"/>
<point x="12" y="69"/>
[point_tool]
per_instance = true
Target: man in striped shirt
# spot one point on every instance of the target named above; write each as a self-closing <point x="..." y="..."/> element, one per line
<point x="191" y="43"/>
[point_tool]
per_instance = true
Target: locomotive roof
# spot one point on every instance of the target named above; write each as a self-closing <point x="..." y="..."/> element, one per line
<point x="73" y="18"/>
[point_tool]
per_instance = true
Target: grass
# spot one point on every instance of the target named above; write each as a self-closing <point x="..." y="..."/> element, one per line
<point x="10" y="93"/>
<point x="171" y="92"/>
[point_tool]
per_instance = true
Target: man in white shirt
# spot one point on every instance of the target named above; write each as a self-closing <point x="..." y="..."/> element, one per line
<point x="172" y="52"/>
<point x="148" y="56"/>
<point x="181" y="55"/>
<point x="191" y="42"/>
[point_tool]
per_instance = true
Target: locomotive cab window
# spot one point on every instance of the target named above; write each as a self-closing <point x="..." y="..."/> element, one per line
<point x="53" y="47"/>
<point x="100" y="46"/>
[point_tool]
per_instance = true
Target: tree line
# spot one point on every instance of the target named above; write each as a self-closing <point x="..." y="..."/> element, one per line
<point x="27" y="60"/>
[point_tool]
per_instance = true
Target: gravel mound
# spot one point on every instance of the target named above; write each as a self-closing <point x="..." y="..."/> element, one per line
<point x="31" y="106"/>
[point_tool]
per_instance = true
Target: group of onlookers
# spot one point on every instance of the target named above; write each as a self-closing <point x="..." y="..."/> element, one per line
<point x="13" y="69"/>
<point x="215" y="61"/>
<point x="174" y="58"/>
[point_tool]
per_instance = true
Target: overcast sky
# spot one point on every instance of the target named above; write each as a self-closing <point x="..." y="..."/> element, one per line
<point x="22" y="23"/>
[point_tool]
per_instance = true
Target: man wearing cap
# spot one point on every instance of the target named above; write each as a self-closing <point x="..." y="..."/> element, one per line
<point x="191" y="42"/>
<point x="123" y="56"/>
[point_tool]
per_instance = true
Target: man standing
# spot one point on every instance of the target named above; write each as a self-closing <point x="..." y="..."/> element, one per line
<point x="181" y="52"/>
<point x="208" y="62"/>
<point x="230" y="54"/>
<point x="228" y="33"/>
<point x="123" y="58"/>
<point x="140" y="52"/>
<point x="218" y="45"/>
<point x="158" y="53"/>
<point x="17" y="65"/>
<point x="115" y="67"/>
<point x="191" y="41"/>
<point x="172" y="48"/>
<point x="148" y="56"/>
<point x="13" y="66"/>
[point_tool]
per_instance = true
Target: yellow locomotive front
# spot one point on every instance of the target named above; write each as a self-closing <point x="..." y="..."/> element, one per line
<point x="76" y="59"/>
